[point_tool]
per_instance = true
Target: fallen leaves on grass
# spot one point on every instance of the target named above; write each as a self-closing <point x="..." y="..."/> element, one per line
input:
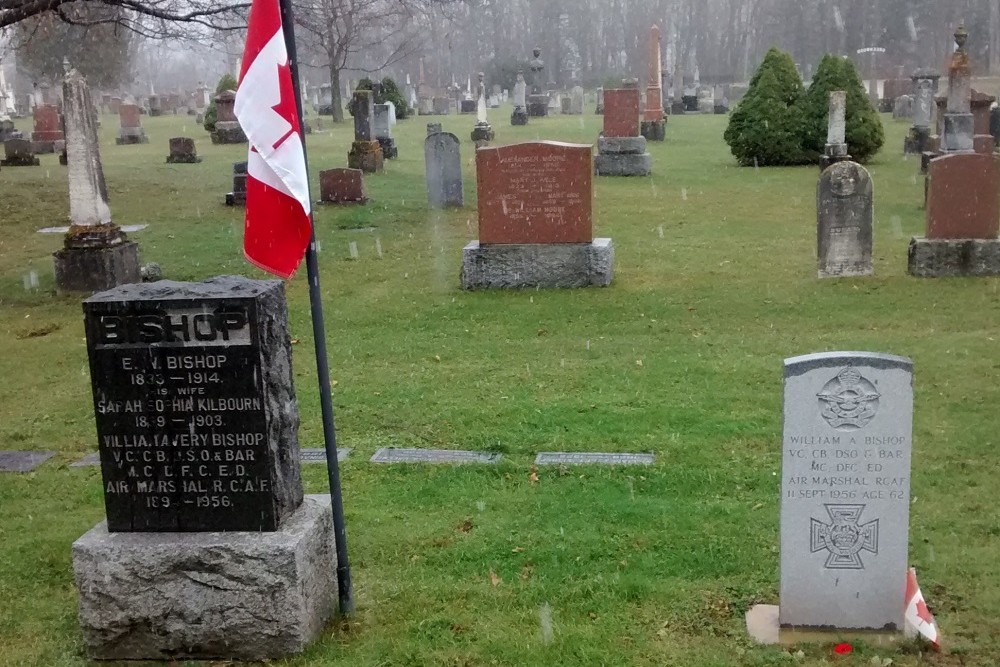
<point x="533" y="476"/>
<point x="465" y="526"/>
<point x="494" y="579"/>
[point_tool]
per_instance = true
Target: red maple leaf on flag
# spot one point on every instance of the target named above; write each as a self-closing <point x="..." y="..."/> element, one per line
<point x="923" y="613"/>
<point x="286" y="108"/>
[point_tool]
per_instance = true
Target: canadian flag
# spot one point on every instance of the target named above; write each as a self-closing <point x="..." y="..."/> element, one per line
<point x="917" y="615"/>
<point x="277" y="228"/>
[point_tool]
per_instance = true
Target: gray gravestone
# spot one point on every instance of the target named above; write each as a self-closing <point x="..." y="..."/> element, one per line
<point x="594" y="458"/>
<point x="403" y="455"/>
<point x="845" y="490"/>
<point x="381" y="121"/>
<point x="92" y="459"/>
<point x="443" y="164"/>
<point x="13" y="461"/>
<point x="844" y="214"/>
<point x="319" y="455"/>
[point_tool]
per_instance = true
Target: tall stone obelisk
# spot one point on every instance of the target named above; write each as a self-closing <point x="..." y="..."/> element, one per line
<point x="653" y="123"/>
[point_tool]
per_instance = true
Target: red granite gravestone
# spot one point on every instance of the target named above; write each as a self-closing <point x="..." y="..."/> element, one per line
<point x="48" y="124"/>
<point x="621" y="112"/>
<point x="342" y="186"/>
<point x="963" y="198"/>
<point x="130" y="115"/>
<point x="539" y="192"/>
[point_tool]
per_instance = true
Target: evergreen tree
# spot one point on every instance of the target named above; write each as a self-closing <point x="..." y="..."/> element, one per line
<point x="864" y="134"/>
<point x="766" y="129"/>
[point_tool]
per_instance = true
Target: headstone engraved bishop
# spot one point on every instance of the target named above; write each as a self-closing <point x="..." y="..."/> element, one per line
<point x="196" y="425"/>
<point x="845" y="495"/>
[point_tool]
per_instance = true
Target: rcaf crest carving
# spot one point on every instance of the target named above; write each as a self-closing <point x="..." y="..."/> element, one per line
<point x="848" y="401"/>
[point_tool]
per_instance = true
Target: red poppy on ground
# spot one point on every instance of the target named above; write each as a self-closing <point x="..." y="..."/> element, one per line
<point x="843" y="649"/>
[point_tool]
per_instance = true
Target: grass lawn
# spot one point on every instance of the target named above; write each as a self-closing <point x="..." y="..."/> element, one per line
<point x="681" y="356"/>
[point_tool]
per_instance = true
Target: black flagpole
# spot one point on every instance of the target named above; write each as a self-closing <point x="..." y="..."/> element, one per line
<point x="344" y="589"/>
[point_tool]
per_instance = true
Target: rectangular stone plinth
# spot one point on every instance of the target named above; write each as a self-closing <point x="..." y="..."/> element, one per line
<point x="623" y="164"/>
<point x="228" y="596"/>
<point x="947" y="258"/>
<point x="505" y="266"/>
<point x="96" y="269"/>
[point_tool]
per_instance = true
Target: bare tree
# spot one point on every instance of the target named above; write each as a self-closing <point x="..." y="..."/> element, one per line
<point x="152" y="18"/>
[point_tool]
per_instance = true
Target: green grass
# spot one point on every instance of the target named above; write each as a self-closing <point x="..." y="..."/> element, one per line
<point x="714" y="285"/>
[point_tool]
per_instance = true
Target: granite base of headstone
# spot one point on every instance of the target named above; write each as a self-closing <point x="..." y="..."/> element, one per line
<point x="916" y="142"/>
<point x="845" y="500"/>
<point x="538" y="105"/>
<point x="721" y="109"/>
<point x="228" y="132"/>
<point x="183" y="151"/>
<point x="19" y="153"/>
<point x="844" y="217"/>
<point x="131" y="135"/>
<point x="653" y="130"/>
<point x="96" y="263"/>
<point x="238" y="197"/>
<point x="519" y="116"/>
<point x="389" y="149"/>
<point x="366" y="156"/>
<point x="8" y="131"/>
<point x="622" y="156"/>
<point x="218" y="595"/>
<point x="482" y="134"/>
<point x="537" y="265"/>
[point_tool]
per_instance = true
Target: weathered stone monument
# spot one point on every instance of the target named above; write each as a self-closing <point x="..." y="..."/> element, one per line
<point x="844" y="216"/>
<point x="535" y="220"/>
<point x="845" y="497"/>
<point x="48" y="129"/>
<point x="963" y="191"/>
<point x="19" y="153"/>
<point x="621" y="150"/>
<point x="576" y="100"/>
<point x="96" y="254"/>
<point x="238" y="197"/>
<point x="382" y="128"/>
<point x="182" y="151"/>
<point x="433" y="128"/>
<point x="538" y="99"/>
<point x="130" y="130"/>
<point x="342" y="186"/>
<point x="653" y="126"/>
<point x="836" y="130"/>
<point x="366" y="152"/>
<point x="902" y="108"/>
<point x="196" y="426"/>
<point x="443" y="166"/>
<point x="520" y="114"/>
<point x="227" y="127"/>
<point x="482" y="133"/>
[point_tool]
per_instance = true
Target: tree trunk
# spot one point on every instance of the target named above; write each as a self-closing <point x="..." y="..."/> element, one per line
<point x="994" y="36"/>
<point x="337" y="101"/>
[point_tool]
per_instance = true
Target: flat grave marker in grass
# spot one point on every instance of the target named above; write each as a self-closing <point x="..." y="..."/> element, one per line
<point x="845" y="491"/>
<point x="405" y="455"/>
<point x="594" y="458"/>
<point x="17" y="461"/>
<point x="92" y="459"/>
<point x="318" y="455"/>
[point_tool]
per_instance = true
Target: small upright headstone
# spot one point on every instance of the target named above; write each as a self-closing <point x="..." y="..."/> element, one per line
<point x="443" y="166"/>
<point x="382" y="128"/>
<point x="227" y="127"/>
<point x="342" y="186"/>
<point x="535" y="220"/>
<point x="47" y="128"/>
<point x="845" y="495"/>
<point x="96" y="254"/>
<point x="621" y="150"/>
<point x="576" y="100"/>
<point x="130" y="130"/>
<point x="196" y="426"/>
<point x="182" y="151"/>
<point x="902" y="108"/>
<point x="366" y="151"/>
<point x="19" y="153"/>
<point x="433" y="128"/>
<point x="844" y="215"/>
<point x="599" y="110"/>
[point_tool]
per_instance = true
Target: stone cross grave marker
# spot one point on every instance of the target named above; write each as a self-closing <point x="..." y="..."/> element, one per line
<point x="845" y="490"/>
<point x="844" y="216"/>
<point x="443" y="166"/>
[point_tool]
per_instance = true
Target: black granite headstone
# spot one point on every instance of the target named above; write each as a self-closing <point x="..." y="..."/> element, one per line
<point x="195" y="405"/>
